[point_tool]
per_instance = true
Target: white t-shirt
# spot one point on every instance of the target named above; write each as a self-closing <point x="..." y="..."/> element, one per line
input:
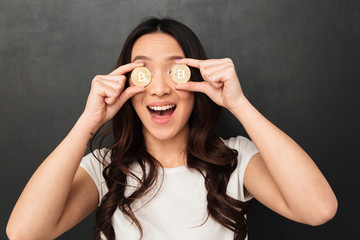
<point x="179" y="207"/>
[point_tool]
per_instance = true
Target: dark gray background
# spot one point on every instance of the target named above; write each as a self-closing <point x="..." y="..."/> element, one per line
<point x="298" y="63"/>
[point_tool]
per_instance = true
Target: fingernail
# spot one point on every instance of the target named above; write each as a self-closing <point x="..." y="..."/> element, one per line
<point x="178" y="60"/>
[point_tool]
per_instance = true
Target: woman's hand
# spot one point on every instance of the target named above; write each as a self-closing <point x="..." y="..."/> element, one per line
<point x="221" y="82"/>
<point x="107" y="94"/>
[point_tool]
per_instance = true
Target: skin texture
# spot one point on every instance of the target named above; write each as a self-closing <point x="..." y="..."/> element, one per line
<point x="282" y="176"/>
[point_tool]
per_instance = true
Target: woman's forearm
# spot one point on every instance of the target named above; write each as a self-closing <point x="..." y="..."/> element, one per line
<point x="42" y="201"/>
<point x="299" y="180"/>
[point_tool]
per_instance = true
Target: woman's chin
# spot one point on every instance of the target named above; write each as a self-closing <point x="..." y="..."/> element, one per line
<point x="168" y="134"/>
<point x="162" y="135"/>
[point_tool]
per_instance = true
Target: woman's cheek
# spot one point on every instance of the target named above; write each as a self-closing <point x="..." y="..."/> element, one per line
<point x="188" y="100"/>
<point x="136" y="102"/>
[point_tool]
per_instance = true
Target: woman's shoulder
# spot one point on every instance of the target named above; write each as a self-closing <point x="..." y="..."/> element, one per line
<point x="237" y="142"/>
<point x="97" y="159"/>
<point x="94" y="164"/>
<point x="244" y="146"/>
<point x="246" y="150"/>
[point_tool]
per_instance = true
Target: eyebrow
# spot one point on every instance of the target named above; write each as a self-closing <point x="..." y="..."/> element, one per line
<point x="141" y="57"/>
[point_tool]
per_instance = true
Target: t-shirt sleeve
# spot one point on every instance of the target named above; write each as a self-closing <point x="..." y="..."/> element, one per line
<point x="246" y="150"/>
<point x="95" y="168"/>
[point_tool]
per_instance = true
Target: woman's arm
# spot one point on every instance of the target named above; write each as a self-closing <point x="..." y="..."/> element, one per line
<point x="60" y="194"/>
<point x="282" y="177"/>
<point x="38" y="210"/>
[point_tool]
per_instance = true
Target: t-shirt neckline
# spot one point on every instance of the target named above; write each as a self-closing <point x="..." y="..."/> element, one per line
<point x="175" y="169"/>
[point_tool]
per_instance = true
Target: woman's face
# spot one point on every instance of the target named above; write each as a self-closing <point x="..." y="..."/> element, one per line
<point x="163" y="110"/>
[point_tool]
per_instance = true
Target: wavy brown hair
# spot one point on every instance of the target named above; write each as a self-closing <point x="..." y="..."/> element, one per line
<point x="205" y="151"/>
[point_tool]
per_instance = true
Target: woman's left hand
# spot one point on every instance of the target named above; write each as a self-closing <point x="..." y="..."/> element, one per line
<point x="221" y="82"/>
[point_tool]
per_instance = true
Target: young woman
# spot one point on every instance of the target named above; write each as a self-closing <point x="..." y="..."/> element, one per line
<point x="166" y="174"/>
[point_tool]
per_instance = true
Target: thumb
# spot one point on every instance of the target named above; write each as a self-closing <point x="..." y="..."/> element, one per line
<point x="124" y="96"/>
<point x="193" y="86"/>
<point x="127" y="94"/>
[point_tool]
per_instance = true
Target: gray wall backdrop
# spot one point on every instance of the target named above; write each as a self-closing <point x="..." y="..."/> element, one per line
<point x="298" y="63"/>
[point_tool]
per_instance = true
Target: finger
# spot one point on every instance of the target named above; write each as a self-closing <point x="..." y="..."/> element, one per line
<point x="116" y="84"/>
<point x="115" y="78"/>
<point x="217" y="78"/>
<point x="216" y="84"/>
<point x="110" y="100"/>
<point x="105" y="91"/>
<point x="190" y="62"/>
<point x="192" y="86"/>
<point x="129" y="93"/>
<point x="203" y="63"/>
<point x="211" y="62"/>
<point x="214" y="74"/>
<point x="216" y="68"/>
<point x="124" y="96"/>
<point x="108" y="89"/>
<point x="126" y="68"/>
<point x="108" y="94"/>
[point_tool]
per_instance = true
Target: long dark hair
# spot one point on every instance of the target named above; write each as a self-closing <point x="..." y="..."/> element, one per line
<point x="205" y="151"/>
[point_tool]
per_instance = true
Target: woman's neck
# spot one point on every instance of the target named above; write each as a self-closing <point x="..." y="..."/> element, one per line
<point x="170" y="152"/>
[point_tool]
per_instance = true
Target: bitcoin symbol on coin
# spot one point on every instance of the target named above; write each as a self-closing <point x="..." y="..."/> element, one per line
<point x="141" y="76"/>
<point x="180" y="73"/>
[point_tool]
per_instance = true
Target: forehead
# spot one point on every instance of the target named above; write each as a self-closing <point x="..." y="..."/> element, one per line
<point x="156" y="46"/>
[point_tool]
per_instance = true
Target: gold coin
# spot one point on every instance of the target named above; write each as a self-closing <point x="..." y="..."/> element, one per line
<point x="141" y="76"/>
<point x="180" y="73"/>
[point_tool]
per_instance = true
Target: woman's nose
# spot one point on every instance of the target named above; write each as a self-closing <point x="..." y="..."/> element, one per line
<point x="159" y="85"/>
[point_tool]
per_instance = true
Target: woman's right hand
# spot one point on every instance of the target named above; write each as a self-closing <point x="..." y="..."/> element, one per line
<point x="107" y="95"/>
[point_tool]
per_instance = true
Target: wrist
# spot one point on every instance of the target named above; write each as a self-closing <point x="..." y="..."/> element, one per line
<point x="239" y="105"/>
<point x="88" y="124"/>
<point x="80" y="134"/>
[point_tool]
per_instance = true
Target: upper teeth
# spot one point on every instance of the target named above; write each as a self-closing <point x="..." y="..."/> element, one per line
<point x="161" y="108"/>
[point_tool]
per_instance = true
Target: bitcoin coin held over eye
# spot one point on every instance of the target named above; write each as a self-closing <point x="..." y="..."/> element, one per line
<point x="180" y="73"/>
<point x="141" y="76"/>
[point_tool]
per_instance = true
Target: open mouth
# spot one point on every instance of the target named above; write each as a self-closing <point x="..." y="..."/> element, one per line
<point x="161" y="111"/>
